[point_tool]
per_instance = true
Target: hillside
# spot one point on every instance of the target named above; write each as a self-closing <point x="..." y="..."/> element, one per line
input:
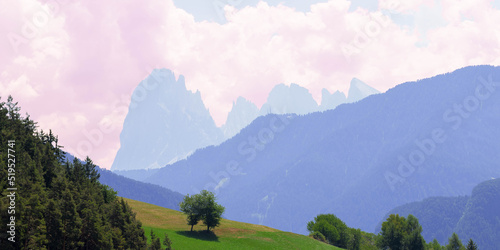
<point x="49" y="203"/>
<point x="141" y="191"/>
<point x="437" y="215"/>
<point x="230" y="235"/>
<point x="481" y="219"/>
<point x="357" y="161"/>
<point x="136" y="190"/>
<point x="476" y="216"/>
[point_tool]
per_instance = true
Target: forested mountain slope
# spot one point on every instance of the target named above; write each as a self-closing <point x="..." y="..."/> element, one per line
<point x="433" y="137"/>
<point x="48" y="203"/>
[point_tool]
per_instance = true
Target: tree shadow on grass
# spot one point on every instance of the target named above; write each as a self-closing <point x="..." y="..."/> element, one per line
<point x="200" y="235"/>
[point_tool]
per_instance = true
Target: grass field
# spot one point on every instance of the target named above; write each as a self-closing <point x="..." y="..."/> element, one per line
<point x="229" y="235"/>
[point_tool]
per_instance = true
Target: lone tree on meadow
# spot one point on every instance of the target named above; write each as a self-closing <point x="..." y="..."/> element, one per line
<point x="202" y="206"/>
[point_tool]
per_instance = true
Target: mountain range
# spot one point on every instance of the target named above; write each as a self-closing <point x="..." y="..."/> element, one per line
<point x="166" y="122"/>
<point x="432" y="137"/>
<point x="474" y="217"/>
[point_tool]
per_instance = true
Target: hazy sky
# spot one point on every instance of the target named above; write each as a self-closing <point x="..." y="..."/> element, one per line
<point x="75" y="68"/>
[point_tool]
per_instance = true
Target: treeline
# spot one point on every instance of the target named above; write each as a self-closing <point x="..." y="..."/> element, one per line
<point x="406" y="233"/>
<point x="398" y="233"/>
<point x="56" y="204"/>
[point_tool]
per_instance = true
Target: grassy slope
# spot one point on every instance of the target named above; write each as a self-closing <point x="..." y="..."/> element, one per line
<point x="230" y="234"/>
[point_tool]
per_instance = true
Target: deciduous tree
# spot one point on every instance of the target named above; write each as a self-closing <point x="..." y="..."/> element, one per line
<point x="202" y="206"/>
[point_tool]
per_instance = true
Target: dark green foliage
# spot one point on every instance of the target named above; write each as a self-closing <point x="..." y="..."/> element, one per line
<point x="393" y="232"/>
<point x="167" y="242"/>
<point x="155" y="242"/>
<point x="471" y="245"/>
<point x="355" y="242"/>
<point x="454" y="243"/>
<point x="59" y="205"/>
<point x="476" y="217"/>
<point x="329" y="231"/>
<point x="401" y="233"/>
<point x="414" y="239"/>
<point x="54" y="224"/>
<point x="202" y="206"/>
<point x="108" y="194"/>
<point x="71" y="222"/>
<point x="434" y="245"/>
<point x="189" y="207"/>
<point x="437" y="215"/>
<point x="318" y="236"/>
<point x="332" y="230"/>
<point x="335" y="230"/>
<point x="211" y="211"/>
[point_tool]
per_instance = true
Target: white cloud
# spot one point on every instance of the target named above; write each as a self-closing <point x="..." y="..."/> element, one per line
<point x="19" y="88"/>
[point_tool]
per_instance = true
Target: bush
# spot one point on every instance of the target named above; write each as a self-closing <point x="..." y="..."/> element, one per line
<point x="318" y="236"/>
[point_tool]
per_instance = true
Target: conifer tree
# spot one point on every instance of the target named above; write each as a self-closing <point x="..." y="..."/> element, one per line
<point x="54" y="227"/>
<point x="59" y="205"/>
<point x="471" y="245"/>
<point x="155" y="242"/>
<point x="71" y="222"/>
<point x="454" y="243"/>
<point x="167" y="242"/>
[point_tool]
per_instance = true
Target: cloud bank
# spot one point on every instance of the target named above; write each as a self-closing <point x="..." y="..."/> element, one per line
<point x="74" y="64"/>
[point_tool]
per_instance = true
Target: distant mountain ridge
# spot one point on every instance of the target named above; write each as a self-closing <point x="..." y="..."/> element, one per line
<point x="132" y="189"/>
<point x="331" y="101"/>
<point x="169" y="123"/>
<point x="352" y="161"/>
<point x="292" y="99"/>
<point x="359" y="90"/>
<point x="242" y="113"/>
<point x="476" y="216"/>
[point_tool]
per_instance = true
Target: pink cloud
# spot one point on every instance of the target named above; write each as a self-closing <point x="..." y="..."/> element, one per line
<point x="77" y="73"/>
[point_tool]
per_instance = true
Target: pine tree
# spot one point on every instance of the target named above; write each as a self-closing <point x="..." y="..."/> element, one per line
<point x="32" y="224"/>
<point x="54" y="227"/>
<point x="155" y="242"/>
<point x="167" y="242"/>
<point x="471" y="245"/>
<point x="91" y="171"/>
<point x="434" y="245"/>
<point x="71" y="222"/>
<point x="63" y="205"/>
<point x="454" y="243"/>
<point x="91" y="225"/>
